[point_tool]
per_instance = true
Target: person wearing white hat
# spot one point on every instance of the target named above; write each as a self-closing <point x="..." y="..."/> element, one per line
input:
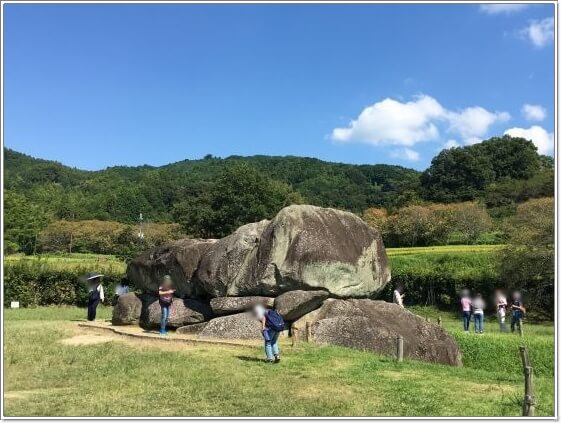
<point x="96" y="293"/>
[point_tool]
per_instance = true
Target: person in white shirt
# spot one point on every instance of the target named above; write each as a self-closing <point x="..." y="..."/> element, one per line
<point x="96" y="293"/>
<point x="501" y="304"/>
<point x="398" y="296"/>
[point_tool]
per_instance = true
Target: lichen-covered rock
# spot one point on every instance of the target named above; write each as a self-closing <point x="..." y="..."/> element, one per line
<point x="183" y="312"/>
<point x="234" y="326"/>
<point x="294" y="304"/>
<point x="179" y="259"/>
<point x="225" y="266"/>
<point x="193" y="329"/>
<point x="303" y="247"/>
<point x="231" y="305"/>
<point x="127" y="310"/>
<point x="375" y="325"/>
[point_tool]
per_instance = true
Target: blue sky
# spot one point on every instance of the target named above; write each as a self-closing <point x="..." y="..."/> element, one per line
<point x="107" y="84"/>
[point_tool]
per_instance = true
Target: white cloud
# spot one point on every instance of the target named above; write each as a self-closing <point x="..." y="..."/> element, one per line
<point x="451" y="144"/>
<point x="472" y="140"/>
<point x="542" y="139"/>
<point x="533" y="112"/>
<point x="405" y="154"/>
<point x="392" y="122"/>
<point x="407" y="123"/>
<point x="506" y="9"/>
<point x="539" y="33"/>
<point x="474" y="122"/>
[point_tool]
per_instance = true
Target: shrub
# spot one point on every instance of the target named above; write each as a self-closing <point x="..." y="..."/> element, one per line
<point x="37" y="284"/>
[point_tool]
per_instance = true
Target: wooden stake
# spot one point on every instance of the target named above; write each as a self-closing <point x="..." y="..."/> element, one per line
<point x="528" y="406"/>
<point x="524" y="356"/>
<point x="399" y="348"/>
<point x="439" y="321"/>
<point x="293" y="335"/>
<point x="308" y="332"/>
<point x="520" y="329"/>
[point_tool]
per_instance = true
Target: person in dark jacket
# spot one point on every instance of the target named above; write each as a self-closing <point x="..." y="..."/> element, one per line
<point x="96" y="294"/>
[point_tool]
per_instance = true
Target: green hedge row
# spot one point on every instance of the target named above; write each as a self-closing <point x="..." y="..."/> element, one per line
<point x="38" y="285"/>
<point x="438" y="278"/>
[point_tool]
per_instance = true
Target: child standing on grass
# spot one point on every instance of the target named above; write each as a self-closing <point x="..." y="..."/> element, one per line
<point x="465" y="301"/>
<point x="478" y="314"/>
<point x="166" y="299"/>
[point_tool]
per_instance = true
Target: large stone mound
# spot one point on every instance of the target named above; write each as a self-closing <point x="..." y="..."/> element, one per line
<point x="302" y="248"/>
<point x="127" y="310"/>
<point x="231" y="305"/>
<point x="375" y="325"/>
<point x="179" y="259"/>
<point x="183" y="312"/>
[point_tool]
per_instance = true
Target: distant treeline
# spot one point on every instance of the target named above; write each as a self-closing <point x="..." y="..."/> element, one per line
<point x="211" y="197"/>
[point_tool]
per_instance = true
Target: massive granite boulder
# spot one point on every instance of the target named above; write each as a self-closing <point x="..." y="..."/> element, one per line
<point x="235" y="326"/>
<point x="302" y="248"/>
<point x="294" y="304"/>
<point x="179" y="259"/>
<point x="375" y="325"/>
<point x="227" y="266"/>
<point x="183" y="312"/>
<point x="231" y="305"/>
<point x="127" y="310"/>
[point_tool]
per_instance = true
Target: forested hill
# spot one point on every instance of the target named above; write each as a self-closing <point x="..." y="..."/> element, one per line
<point x="212" y="195"/>
<point x="121" y="193"/>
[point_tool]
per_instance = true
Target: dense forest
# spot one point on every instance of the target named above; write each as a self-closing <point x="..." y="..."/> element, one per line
<point x="210" y="197"/>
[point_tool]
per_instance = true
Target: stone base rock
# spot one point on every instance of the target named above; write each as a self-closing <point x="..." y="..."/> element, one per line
<point x="127" y="310"/>
<point x="231" y="305"/>
<point x="375" y="325"/>
<point x="183" y="312"/>
<point x="234" y="326"/>
<point x="294" y="304"/>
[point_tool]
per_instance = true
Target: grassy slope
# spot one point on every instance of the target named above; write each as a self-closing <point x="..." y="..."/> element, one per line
<point x="44" y="377"/>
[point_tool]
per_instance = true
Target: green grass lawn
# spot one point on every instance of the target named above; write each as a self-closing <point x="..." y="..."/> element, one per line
<point x="45" y="377"/>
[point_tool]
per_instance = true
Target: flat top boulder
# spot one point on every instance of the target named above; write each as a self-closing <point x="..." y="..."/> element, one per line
<point x="182" y="312"/>
<point x="231" y="305"/>
<point x="294" y="304"/>
<point x="302" y="248"/>
<point x="235" y="326"/>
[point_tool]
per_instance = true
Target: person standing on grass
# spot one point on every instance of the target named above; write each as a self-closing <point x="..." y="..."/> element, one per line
<point x="478" y="314"/>
<point x="500" y="302"/>
<point x="465" y="301"/>
<point x="518" y="311"/>
<point x="272" y="325"/>
<point x="166" y="299"/>
<point x="96" y="294"/>
<point x="398" y="296"/>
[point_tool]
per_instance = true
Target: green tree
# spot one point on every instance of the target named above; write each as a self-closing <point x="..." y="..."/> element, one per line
<point x="22" y="222"/>
<point x="528" y="263"/>
<point x="241" y="194"/>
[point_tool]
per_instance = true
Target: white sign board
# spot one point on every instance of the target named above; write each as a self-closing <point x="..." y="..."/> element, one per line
<point x="14" y="304"/>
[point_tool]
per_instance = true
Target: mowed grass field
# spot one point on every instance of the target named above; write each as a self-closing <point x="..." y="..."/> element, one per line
<point x="100" y="262"/>
<point x="44" y="376"/>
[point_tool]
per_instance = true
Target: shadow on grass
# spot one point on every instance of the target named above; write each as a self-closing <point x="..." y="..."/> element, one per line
<point x="250" y="359"/>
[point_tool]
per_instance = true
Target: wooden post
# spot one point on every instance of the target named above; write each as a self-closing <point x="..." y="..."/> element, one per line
<point x="529" y="400"/>
<point x="308" y="332"/>
<point x="524" y="356"/>
<point x="399" y="348"/>
<point x="520" y="330"/>
<point x="439" y="321"/>
<point x="294" y="334"/>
